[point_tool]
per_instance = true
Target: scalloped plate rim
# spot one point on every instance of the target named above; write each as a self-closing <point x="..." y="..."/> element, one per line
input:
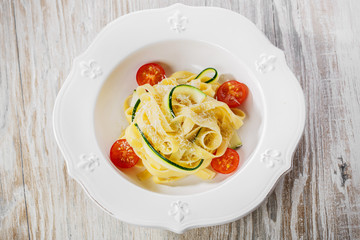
<point x="183" y="226"/>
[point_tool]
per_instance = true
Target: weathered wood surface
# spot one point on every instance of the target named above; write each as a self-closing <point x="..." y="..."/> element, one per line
<point x="319" y="199"/>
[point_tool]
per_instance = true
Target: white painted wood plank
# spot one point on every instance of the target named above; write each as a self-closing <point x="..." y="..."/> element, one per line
<point x="13" y="214"/>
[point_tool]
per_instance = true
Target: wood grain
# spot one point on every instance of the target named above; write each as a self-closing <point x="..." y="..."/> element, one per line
<point x="319" y="199"/>
<point x="13" y="212"/>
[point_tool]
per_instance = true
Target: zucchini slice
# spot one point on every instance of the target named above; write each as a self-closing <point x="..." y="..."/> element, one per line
<point x="157" y="155"/>
<point x="197" y="134"/>
<point x="195" y="95"/>
<point x="235" y="141"/>
<point x="208" y="70"/>
<point x="135" y="109"/>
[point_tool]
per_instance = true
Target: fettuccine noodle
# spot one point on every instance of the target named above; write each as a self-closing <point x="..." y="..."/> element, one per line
<point x="198" y="132"/>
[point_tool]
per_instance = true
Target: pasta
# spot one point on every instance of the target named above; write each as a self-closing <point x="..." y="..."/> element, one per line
<point x="181" y="137"/>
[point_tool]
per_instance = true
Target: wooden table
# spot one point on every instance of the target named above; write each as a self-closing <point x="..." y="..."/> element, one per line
<point x="318" y="199"/>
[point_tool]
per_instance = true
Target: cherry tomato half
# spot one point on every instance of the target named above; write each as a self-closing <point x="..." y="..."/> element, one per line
<point x="233" y="93"/>
<point x="122" y="154"/>
<point x="150" y="73"/>
<point x="227" y="163"/>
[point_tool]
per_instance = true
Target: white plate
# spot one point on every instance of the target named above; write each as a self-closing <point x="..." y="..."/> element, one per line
<point x="88" y="114"/>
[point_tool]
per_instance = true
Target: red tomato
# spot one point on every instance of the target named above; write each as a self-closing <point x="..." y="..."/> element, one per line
<point x="233" y="93"/>
<point x="227" y="163"/>
<point x="122" y="154"/>
<point x="151" y="73"/>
